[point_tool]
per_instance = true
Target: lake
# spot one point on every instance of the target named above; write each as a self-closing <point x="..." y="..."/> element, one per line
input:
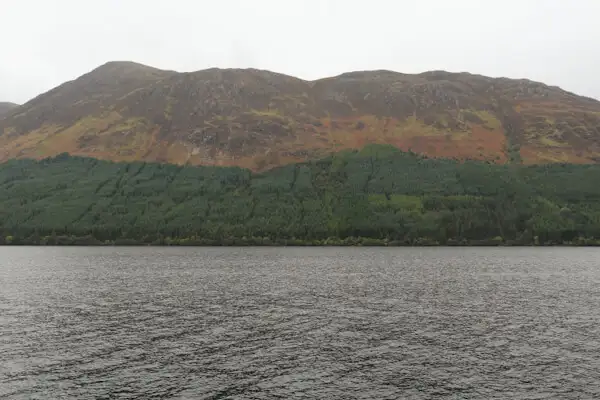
<point x="330" y="323"/>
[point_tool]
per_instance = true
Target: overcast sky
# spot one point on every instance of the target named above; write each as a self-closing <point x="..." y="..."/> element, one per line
<point x="47" y="42"/>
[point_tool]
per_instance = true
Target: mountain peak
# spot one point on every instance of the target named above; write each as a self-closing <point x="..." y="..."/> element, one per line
<point x="124" y="67"/>
<point x="116" y="70"/>
<point x="5" y="107"/>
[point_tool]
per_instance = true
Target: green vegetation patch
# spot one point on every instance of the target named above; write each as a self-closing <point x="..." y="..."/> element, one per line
<point x="376" y="196"/>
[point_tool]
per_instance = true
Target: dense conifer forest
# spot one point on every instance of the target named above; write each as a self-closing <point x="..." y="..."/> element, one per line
<point x="376" y="196"/>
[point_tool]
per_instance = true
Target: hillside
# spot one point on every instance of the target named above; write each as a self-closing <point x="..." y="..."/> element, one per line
<point x="378" y="195"/>
<point x="257" y="119"/>
<point x="5" y="107"/>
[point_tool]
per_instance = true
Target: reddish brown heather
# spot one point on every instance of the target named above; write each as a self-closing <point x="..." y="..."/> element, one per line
<point x="260" y="119"/>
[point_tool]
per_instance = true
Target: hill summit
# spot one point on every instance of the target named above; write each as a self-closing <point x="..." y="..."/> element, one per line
<point x="259" y="119"/>
<point x="5" y="107"/>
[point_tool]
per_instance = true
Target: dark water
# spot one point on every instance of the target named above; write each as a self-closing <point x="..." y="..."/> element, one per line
<point x="327" y="323"/>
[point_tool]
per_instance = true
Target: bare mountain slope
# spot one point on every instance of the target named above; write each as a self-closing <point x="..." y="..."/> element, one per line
<point x="259" y="119"/>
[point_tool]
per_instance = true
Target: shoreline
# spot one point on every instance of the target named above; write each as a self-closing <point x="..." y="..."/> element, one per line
<point x="574" y="245"/>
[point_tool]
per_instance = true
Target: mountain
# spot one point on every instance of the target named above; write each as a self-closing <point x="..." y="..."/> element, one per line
<point x="6" y="107"/>
<point x="257" y="119"/>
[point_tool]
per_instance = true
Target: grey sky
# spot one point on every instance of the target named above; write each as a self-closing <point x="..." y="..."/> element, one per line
<point x="46" y="42"/>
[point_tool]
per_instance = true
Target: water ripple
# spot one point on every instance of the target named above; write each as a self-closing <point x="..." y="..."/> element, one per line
<point x="158" y="323"/>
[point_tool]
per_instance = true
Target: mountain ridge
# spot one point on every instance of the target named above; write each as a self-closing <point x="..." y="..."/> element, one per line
<point x="258" y="119"/>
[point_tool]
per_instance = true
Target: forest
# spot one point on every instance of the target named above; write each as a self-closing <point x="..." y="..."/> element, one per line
<point x="376" y="196"/>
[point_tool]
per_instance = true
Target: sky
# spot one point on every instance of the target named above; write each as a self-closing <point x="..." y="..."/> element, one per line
<point x="48" y="42"/>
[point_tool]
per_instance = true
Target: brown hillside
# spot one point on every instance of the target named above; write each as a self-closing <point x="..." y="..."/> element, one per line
<point x="259" y="119"/>
<point x="6" y="107"/>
